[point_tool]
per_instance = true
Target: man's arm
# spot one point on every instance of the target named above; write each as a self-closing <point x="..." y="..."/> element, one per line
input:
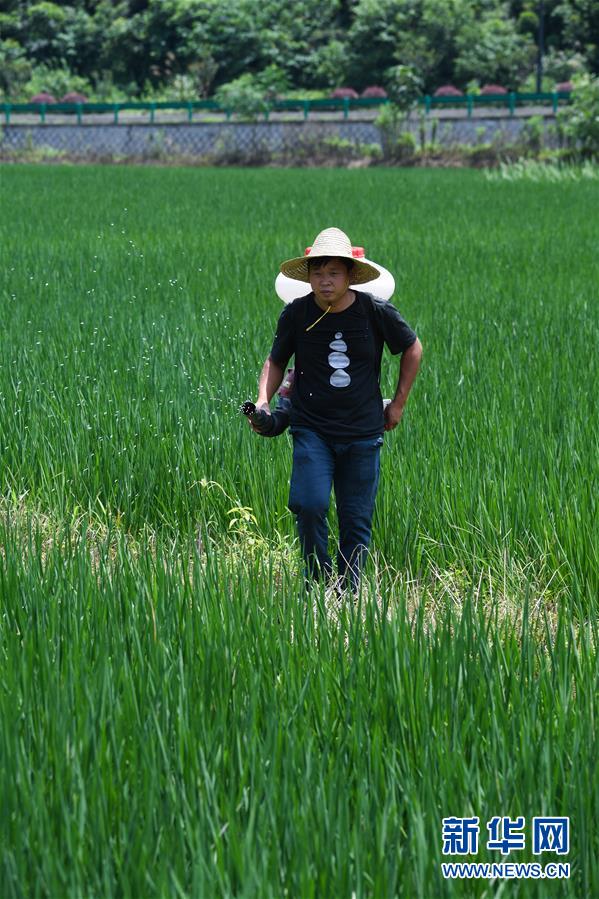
<point x="408" y="369"/>
<point x="271" y="379"/>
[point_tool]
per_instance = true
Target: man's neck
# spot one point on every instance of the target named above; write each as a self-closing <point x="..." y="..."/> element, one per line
<point x="340" y="306"/>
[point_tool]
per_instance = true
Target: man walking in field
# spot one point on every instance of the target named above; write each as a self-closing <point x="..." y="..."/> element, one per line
<point x="337" y="334"/>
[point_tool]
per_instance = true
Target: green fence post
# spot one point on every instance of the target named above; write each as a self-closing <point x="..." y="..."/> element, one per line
<point x="345" y="107"/>
<point x="189" y="112"/>
<point x="152" y="111"/>
<point x="470" y="104"/>
<point x="427" y="104"/>
<point x="43" y="113"/>
<point x="512" y="102"/>
<point x="554" y="102"/>
<point x="306" y="105"/>
<point x="78" y="113"/>
<point x="116" y="113"/>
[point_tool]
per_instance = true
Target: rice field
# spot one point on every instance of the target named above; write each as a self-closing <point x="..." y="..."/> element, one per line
<point x="177" y="720"/>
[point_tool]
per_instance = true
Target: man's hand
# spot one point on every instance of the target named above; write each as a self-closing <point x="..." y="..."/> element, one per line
<point x="408" y="369"/>
<point x="265" y="406"/>
<point x="393" y="413"/>
<point x="271" y="379"/>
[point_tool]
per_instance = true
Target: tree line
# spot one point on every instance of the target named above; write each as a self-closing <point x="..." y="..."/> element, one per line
<point x="188" y="49"/>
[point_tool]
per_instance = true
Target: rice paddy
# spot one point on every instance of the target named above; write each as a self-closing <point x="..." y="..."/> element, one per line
<point x="177" y="719"/>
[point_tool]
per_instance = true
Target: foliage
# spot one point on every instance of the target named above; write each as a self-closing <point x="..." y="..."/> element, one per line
<point x="328" y="64"/>
<point x="491" y="49"/>
<point x="397" y="142"/>
<point x="243" y="96"/>
<point x="249" y="96"/>
<point x="203" y="71"/>
<point x="580" y="120"/>
<point x="404" y="86"/>
<point x="56" y="81"/>
<point x="15" y="69"/>
<point x="580" y="24"/>
<point x="341" y="150"/>
<point x="563" y="65"/>
<point x="533" y="132"/>
<point x="142" y="46"/>
<point x="543" y="172"/>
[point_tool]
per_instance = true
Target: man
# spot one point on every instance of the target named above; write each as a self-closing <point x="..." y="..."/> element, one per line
<point x="337" y="420"/>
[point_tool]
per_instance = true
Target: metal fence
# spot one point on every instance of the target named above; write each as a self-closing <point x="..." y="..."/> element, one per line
<point x="344" y="107"/>
<point x="223" y="141"/>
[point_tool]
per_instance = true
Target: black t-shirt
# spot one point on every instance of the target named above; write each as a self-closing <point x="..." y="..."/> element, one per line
<point x="338" y="363"/>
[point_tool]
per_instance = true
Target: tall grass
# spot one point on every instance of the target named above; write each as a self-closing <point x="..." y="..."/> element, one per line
<point x="176" y="719"/>
<point x="533" y="170"/>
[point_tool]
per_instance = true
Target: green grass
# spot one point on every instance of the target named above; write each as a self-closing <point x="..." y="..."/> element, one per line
<point x="180" y="723"/>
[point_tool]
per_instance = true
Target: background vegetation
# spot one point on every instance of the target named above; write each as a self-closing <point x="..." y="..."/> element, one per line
<point x="186" y="49"/>
<point x="178" y="720"/>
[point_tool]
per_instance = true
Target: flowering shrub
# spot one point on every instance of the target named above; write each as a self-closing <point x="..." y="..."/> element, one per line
<point x="341" y="93"/>
<point x="43" y="98"/>
<point x="564" y="86"/>
<point x="447" y="90"/>
<point x="73" y="97"/>
<point x="374" y="91"/>
<point x="492" y="89"/>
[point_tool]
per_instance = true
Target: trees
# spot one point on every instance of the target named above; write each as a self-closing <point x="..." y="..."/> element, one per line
<point x="580" y="23"/>
<point x="491" y="50"/>
<point x="143" y="45"/>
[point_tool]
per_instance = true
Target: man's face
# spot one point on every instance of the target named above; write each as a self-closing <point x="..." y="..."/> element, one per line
<point x="330" y="281"/>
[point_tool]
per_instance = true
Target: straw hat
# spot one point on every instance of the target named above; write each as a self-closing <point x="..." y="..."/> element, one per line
<point x="382" y="285"/>
<point x="330" y="242"/>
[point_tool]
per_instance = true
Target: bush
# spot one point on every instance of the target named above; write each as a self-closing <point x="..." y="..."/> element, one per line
<point x="564" y="65"/>
<point x="73" y="97"/>
<point x="533" y="133"/>
<point x="404" y="87"/>
<point x="487" y="89"/>
<point x="57" y="82"/>
<point x="183" y="88"/>
<point x="398" y="143"/>
<point x="15" y="69"/>
<point x="43" y="97"/>
<point x="564" y="86"/>
<point x="448" y="90"/>
<point x="579" y="121"/>
<point x="374" y="91"/>
<point x="342" y="93"/>
<point x="404" y="147"/>
<point x="244" y="96"/>
<point x="249" y="96"/>
<point x="343" y="151"/>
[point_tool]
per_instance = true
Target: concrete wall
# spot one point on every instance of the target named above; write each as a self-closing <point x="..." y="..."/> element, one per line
<point x="231" y="139"/>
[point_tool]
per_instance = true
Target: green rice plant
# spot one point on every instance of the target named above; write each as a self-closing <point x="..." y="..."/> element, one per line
<point x="178" y="717"/>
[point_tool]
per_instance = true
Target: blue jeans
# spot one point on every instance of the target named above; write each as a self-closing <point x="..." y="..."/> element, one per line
<point x="353" y="468"/>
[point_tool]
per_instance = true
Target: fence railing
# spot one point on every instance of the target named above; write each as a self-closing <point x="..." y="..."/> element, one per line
<point x="346" y="105"/>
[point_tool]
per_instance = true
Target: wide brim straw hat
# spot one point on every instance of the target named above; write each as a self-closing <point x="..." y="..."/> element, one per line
<point x="330" y="242"/>
<point x="381" y="283"/>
